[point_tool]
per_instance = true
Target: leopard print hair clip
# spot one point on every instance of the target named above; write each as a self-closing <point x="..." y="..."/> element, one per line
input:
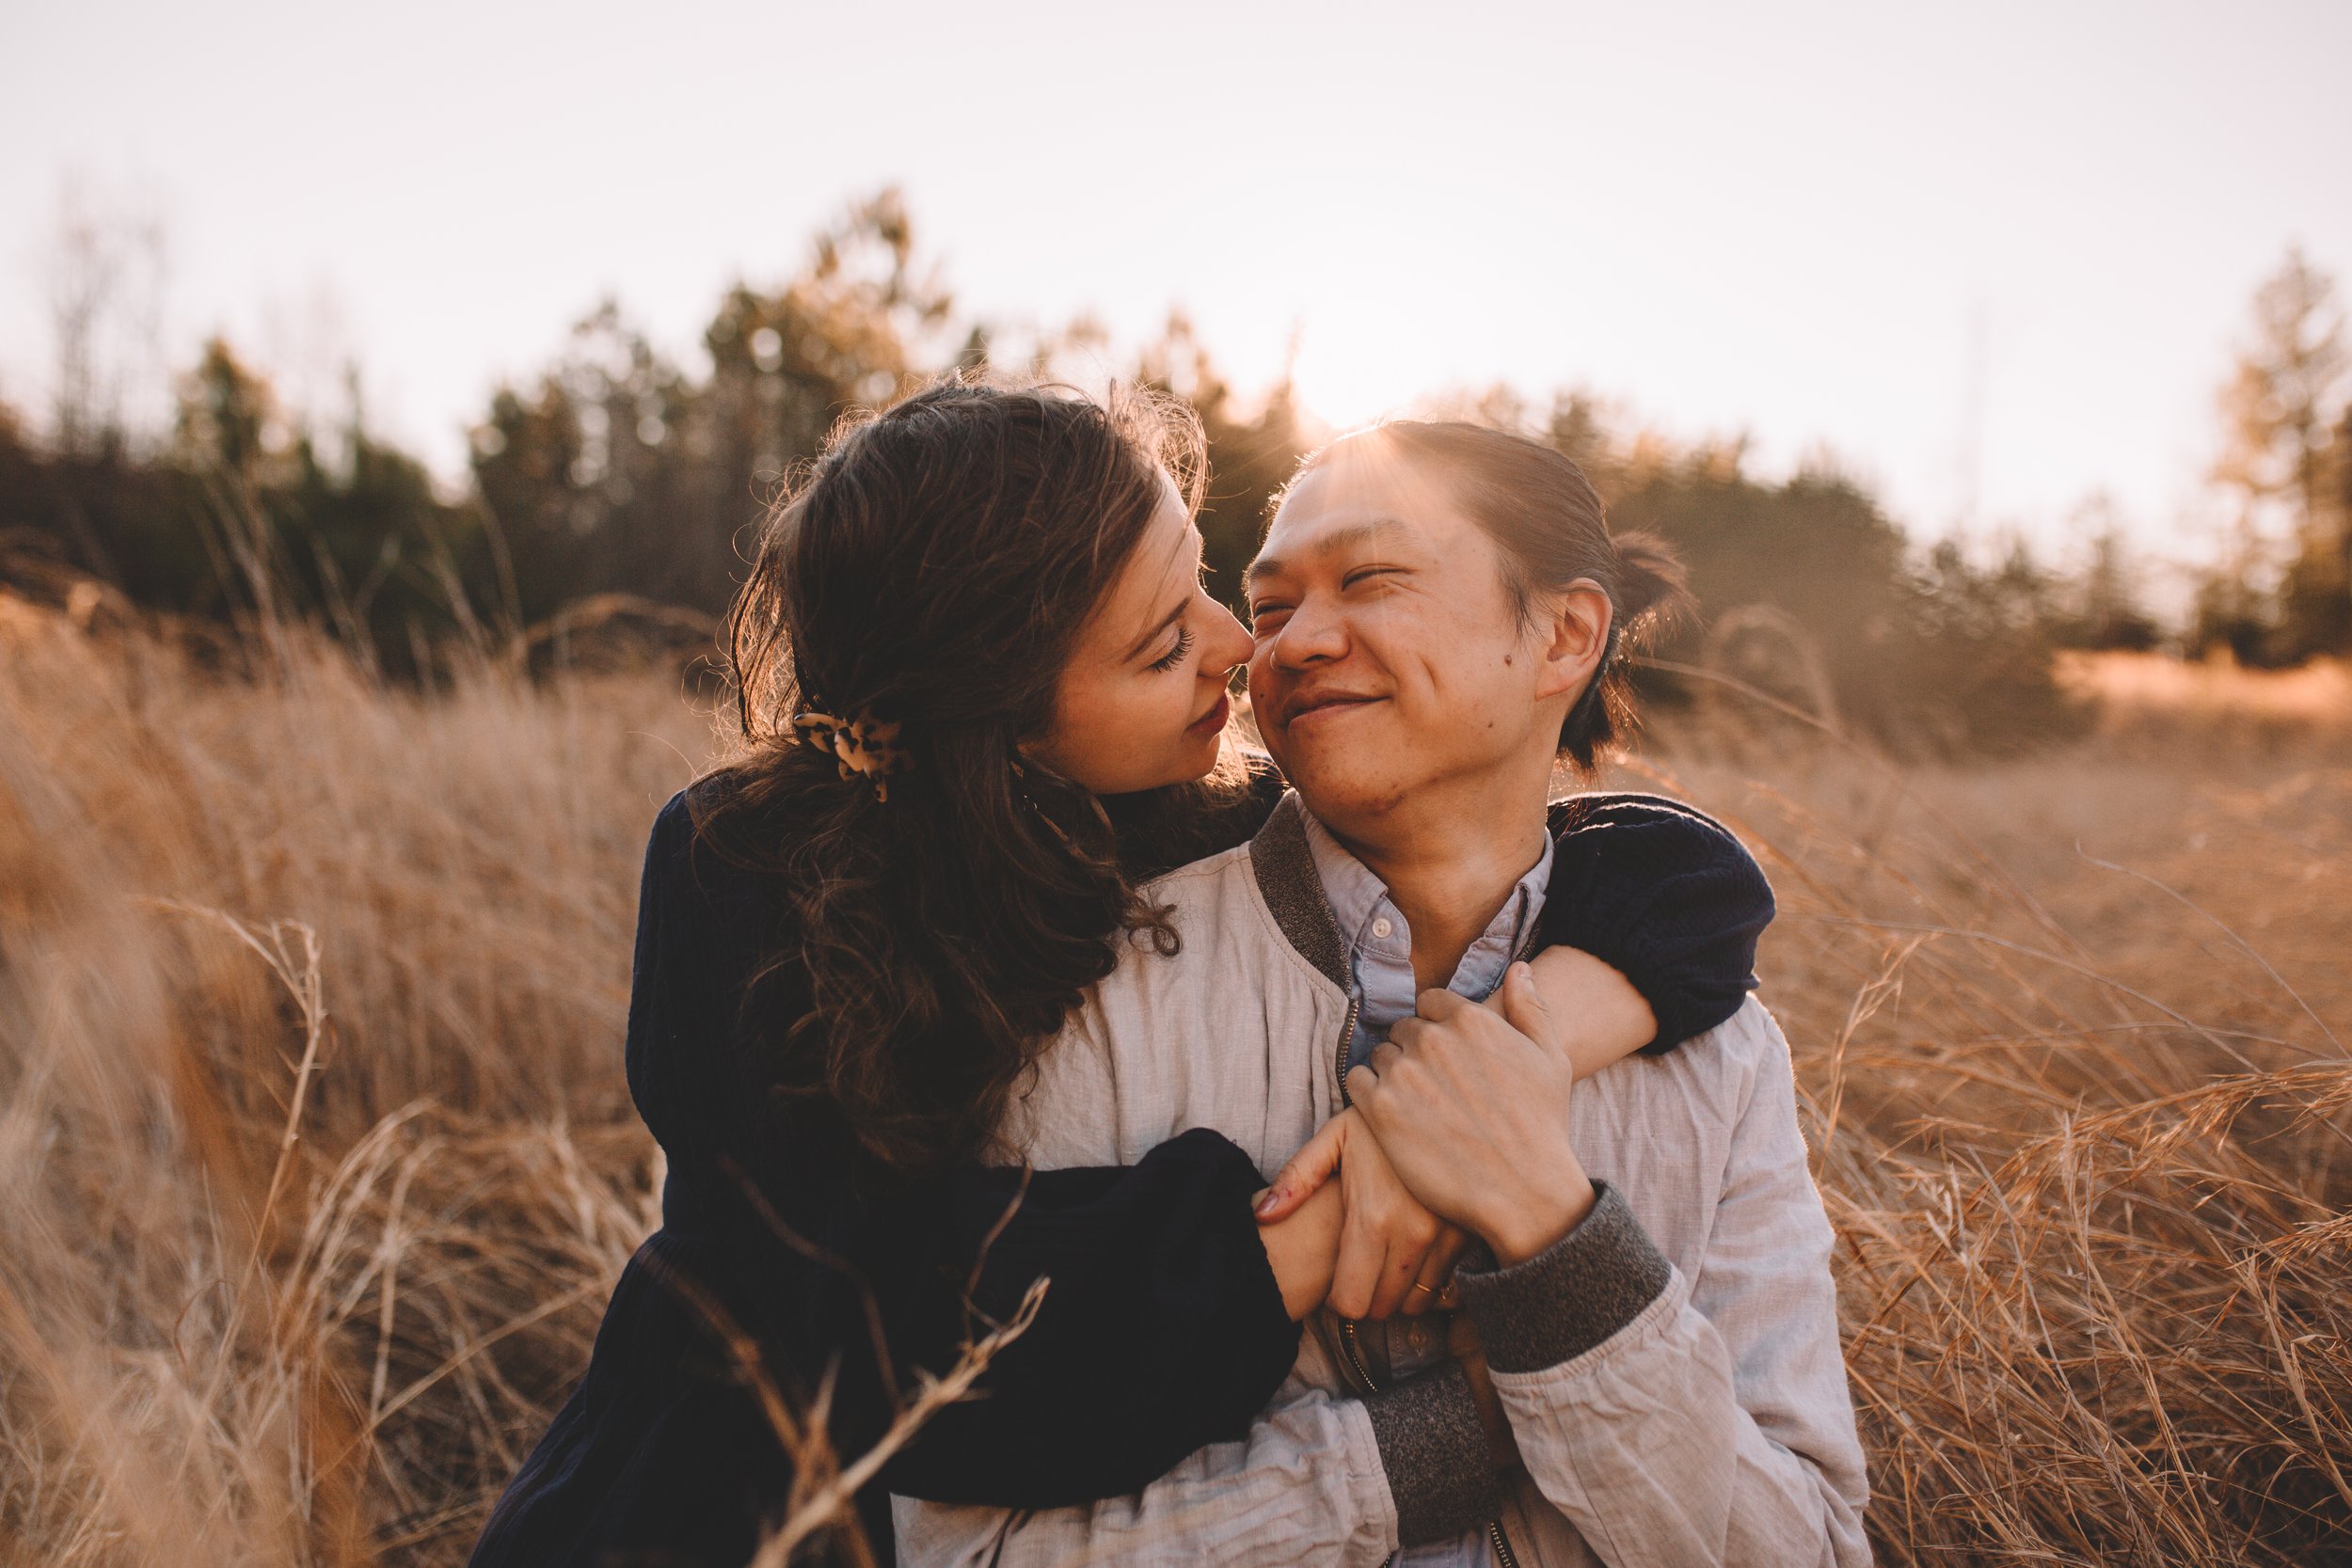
<point x="862" y="746"/>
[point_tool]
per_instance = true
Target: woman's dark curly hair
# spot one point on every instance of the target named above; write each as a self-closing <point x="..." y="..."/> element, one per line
<point x="935" y="569"/>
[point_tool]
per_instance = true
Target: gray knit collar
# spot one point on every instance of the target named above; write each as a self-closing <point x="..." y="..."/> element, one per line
<point x="1293" y="890"/>
<point x="1291" y="887"/>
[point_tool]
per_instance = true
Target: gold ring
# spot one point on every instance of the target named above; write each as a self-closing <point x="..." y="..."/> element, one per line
<point x="1419" y="1285"/>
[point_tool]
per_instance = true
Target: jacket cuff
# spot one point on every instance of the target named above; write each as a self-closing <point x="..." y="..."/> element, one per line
<point x="1572" y="1295"/>
<point x="1434" y="1447"/>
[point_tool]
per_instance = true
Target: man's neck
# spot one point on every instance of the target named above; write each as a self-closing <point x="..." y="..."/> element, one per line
<point x="1450" y="865"/>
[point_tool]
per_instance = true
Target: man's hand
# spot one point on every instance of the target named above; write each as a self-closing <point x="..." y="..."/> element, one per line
<point x="1472" y="1111"/>
<point x="1394" y="1255"/>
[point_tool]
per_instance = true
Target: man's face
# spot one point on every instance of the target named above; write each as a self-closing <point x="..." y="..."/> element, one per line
<point x="1389" y="657"/>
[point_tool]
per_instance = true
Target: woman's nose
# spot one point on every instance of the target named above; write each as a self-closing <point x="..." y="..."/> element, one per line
<point x="1226" y="642"/>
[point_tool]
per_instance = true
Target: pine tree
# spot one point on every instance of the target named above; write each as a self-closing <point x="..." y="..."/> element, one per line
<point x="2278" y="456"/>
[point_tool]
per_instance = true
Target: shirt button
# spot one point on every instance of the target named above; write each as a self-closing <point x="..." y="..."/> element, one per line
<point x="1383" y="927"/>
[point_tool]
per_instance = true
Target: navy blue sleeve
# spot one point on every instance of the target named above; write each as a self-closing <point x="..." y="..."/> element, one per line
<point x="1662" y="893"/>
<point x="1161" y="1329"/>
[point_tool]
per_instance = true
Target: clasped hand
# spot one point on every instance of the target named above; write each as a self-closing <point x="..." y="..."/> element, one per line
<point x="1459" y="1127"/>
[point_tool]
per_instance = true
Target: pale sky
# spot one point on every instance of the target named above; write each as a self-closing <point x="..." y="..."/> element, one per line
<point x="1778" y="219"/>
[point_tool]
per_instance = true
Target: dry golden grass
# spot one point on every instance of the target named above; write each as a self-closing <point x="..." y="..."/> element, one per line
<point x="219" y="1348"/>
<point x="2151" y="700"/>
<point x="2070" y="1032"/>
<point x="2081" y="1126"/>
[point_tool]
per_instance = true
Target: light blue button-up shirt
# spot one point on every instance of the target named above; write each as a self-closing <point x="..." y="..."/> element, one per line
<point x="1380" y="944"/>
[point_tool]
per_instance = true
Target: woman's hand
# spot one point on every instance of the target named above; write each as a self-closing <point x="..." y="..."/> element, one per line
<point x="1394" y="1255"/>
<point x="1302" y="1244"/>
<point x="1472" y="1111"/>
<point x="1600" y="1017"/>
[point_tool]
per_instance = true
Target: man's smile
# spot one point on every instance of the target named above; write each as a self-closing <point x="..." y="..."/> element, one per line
<point x="1306" y="706"/>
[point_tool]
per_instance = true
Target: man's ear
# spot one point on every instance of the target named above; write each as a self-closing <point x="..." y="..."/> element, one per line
<point x="1572" y="633"/>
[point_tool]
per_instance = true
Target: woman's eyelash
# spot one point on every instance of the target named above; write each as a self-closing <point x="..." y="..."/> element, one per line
<point x="1176" y="654"/>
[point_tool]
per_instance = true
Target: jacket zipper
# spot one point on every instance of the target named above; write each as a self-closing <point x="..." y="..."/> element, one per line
<point x="1504" y="1557"/>
<point x="1347" y="1039"/>
<point x="1356" y="1362"/>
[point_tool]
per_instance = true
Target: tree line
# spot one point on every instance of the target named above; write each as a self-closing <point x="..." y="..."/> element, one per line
<point x="617" y="476"/>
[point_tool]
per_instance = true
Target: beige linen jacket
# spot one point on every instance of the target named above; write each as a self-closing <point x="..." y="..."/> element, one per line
<point x="1704" y="1421"/>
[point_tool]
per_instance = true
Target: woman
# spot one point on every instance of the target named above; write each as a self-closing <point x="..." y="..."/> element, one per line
<point x="852" y="942"/>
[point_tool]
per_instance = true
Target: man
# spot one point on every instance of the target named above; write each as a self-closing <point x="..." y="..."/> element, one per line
<point x="1437" y="612"/>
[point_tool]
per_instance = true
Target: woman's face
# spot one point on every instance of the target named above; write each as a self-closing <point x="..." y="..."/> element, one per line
<point x="1141" y="703"/>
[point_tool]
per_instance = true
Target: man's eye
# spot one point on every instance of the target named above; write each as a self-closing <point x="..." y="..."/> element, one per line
<point x="1259" y="612"/>
<point x="1366" y="575"/>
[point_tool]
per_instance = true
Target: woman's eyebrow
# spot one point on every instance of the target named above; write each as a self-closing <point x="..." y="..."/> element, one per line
<point x="1330" y="543"/>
